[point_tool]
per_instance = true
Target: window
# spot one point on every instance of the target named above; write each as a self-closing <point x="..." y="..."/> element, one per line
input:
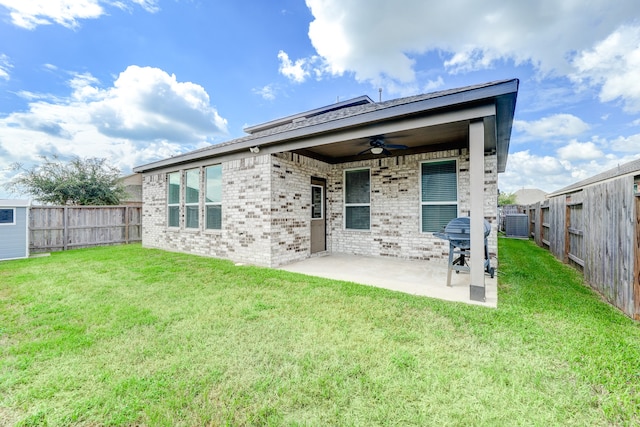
<point x="184" y="192"/>
<point x="173" y="200"/>
<point x="213" y="197"/>
<point x="357" y="199"/>
<point x="439" y="194"/>
<point x="192" y="198"/>
<point x="7" y="216"/>
<point x="317" y="202"/>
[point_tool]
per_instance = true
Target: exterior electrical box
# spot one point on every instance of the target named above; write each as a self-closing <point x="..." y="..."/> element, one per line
<point x="517" y="225"/>
<point x="14" y="229"/>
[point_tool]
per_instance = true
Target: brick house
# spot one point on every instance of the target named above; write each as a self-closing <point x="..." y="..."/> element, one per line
<point x="322" y="181"/>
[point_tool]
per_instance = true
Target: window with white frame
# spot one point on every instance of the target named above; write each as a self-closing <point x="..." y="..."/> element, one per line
<point x="213" y="197"/>
<point x="192" y="198"/>
<point x="7" y="216"/>
<point x="173" y="200"/>
<point x="439" y="194"/>
<point x="357" y="199"/>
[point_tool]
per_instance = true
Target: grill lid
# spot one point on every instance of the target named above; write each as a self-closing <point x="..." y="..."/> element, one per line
<point x="460" y="229"/>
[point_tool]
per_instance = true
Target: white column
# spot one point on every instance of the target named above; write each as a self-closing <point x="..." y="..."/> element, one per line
<point x="476" y="187"/>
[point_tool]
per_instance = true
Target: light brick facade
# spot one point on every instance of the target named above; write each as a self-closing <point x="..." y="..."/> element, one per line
<point x="266" y="209"/>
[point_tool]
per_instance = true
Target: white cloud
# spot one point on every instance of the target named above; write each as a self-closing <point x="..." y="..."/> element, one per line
<point x="146" y="115"/>
<point x="146" y="103"/>
<point x="379" y="41"/>
<point x="629" y="144"/>
<point x="300" y="69"/>
<point x="527" y="170"/>
<point x="433" y="85"/>
<point x="612" y="65"/>
<point x="150" y="6"/>
<point x="31" y="13"/>
<point x="267" y="92"/>
<point x="5" y="67"/>
<point x="580" y="151"/>
<point x="551" y="127"/>
<point x="294" y="71"/>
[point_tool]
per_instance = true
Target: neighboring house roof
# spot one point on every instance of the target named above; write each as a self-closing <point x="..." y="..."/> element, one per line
<point x="132" y="179"/>
<point x="630" y="168"/>
<point x="133" y="188"/>
<point x="337" y="132"/>
<point x="529" y="196"/>
<point x="8" y="203"/>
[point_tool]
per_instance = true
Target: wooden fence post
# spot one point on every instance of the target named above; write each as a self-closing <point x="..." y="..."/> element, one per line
<point x="636" y="269"/>
<point x="126" y="224"/>
<point x="567" y="225"/>
<point x="65" y="224"/>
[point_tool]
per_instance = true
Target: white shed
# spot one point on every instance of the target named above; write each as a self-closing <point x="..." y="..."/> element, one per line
<point x="14" y="229"/>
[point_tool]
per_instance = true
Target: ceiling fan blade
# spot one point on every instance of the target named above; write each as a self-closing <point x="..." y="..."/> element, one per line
<point x="396" y="146"/>
<point x="386" y="152"/>
<point x="368" y="150"/>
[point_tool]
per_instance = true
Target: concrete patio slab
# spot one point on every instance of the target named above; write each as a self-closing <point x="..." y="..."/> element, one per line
<point x="425" y="278"/>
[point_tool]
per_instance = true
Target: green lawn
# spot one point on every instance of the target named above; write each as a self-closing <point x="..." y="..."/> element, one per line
<point x="131" y="336"/>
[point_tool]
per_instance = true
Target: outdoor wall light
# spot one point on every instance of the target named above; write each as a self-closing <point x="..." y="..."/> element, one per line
<point x="376" y="150"/>
<point x="254" y="149"/>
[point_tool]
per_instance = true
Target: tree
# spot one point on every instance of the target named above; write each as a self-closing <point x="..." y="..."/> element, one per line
<point x="506" y="199"/>
<point x="79" y="181"/>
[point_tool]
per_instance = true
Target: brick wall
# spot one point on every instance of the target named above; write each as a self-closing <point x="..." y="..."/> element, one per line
<point x="267" y="201"/>
<point x="291" y="205"/>
<point x="245" y="234"/>
<point x="395" y="208"/>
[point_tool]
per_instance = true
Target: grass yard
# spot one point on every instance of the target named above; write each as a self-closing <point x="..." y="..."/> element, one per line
<point x="131" y="336"/>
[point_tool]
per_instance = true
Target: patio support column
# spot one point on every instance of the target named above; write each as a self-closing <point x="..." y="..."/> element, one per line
<point x="476" y="188"/>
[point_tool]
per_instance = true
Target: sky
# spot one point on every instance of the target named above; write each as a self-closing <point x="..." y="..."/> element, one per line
<point x="135" y="81"/>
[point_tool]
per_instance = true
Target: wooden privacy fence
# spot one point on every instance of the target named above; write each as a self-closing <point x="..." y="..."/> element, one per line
<point x="58" y="228"/>
<point x="596" y="229"/>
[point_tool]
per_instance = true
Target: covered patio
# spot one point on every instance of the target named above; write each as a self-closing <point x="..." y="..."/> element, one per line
<point x="422" y="278"/>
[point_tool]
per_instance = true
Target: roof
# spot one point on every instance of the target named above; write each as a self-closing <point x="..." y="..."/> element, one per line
<point x="13" y="203"/>
<point x="632" y="167"/>
<point x="362" y="100"/>
<point x="131" y="179"/>
<point x="362" y="113"/>
<point x="529" y="196"/>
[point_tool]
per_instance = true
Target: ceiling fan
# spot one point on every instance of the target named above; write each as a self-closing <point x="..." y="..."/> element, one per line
<point x="378" y="146"/>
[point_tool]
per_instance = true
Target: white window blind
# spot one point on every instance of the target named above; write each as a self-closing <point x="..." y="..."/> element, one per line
<point x="439" y="194"/>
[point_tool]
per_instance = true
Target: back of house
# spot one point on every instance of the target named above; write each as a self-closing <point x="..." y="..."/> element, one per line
<point x="359" y="177"/>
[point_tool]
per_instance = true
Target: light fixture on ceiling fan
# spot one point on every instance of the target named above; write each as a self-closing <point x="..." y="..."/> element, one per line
<point x="377" y="146"/>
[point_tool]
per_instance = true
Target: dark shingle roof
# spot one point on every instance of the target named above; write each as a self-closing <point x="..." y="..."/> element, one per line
<point x="308" y="120"/>
<point x="624" y="169"/>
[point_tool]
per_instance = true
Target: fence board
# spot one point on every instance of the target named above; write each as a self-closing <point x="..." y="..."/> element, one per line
<point x="597" y="229"/>
<point x="636" y="268"/>
<point x="55" y="228"/>
<point x="575" y="233"/>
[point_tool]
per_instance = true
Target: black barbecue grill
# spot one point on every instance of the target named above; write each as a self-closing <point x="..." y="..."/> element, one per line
<point x="458" y="233"/>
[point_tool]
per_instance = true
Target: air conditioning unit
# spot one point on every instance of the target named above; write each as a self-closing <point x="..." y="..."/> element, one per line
<point x="517" y="225"/>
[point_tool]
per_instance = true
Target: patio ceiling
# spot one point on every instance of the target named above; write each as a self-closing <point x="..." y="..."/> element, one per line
<point x="426" y="139"/>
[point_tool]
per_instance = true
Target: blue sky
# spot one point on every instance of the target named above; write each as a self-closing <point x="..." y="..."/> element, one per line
<point x="139" y="80"/>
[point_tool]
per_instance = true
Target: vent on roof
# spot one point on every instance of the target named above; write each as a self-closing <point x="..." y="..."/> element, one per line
<point x="517" y="226"/>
